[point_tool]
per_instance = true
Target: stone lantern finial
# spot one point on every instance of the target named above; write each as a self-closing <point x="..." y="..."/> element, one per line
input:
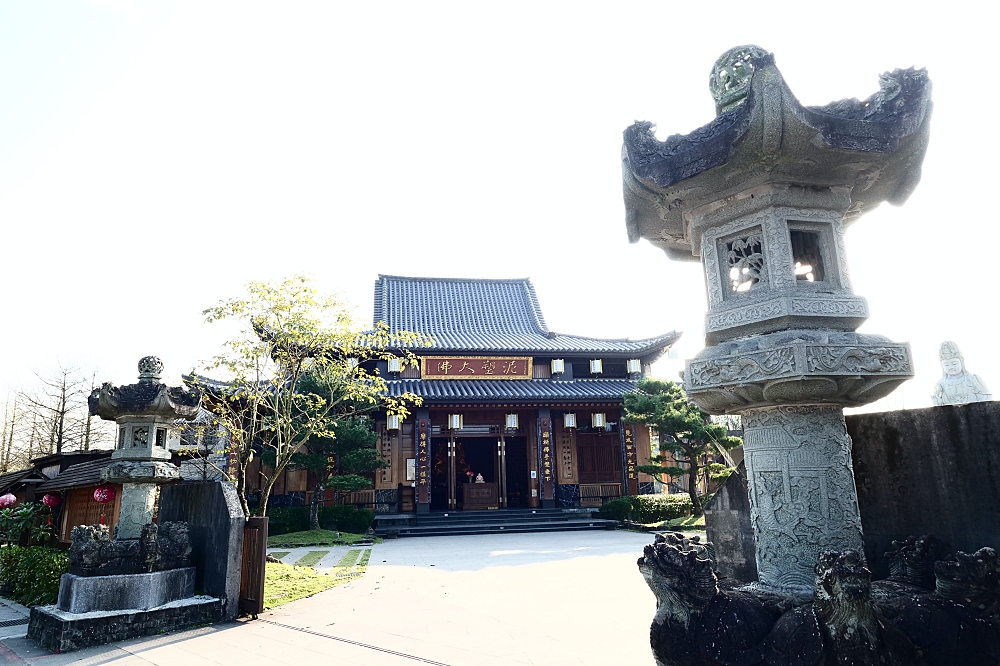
<point x="150" y="369"/>
<point x="729" y="81"/>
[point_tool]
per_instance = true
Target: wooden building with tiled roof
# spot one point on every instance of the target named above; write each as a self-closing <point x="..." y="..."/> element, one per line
<point x="536" y="414"/>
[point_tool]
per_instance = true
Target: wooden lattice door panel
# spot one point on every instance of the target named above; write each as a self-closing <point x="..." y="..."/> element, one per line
<point x="83" y="509"/>
<point x="598" y="461"/>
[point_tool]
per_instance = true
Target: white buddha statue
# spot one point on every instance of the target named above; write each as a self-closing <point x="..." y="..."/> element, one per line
<point x="957" y="386"/>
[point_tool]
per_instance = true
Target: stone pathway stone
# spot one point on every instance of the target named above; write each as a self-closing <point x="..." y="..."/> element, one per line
<point x="13" y="619"/>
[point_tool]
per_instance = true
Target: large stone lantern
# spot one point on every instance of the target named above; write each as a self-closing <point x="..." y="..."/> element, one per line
<point x="145" y="413"/>
<point x="762" y="196"/>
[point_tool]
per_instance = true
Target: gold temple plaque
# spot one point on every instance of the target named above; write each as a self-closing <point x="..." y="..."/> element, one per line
<point x="475" y="367"/>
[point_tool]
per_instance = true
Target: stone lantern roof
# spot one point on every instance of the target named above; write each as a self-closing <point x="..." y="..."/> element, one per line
<point x="147" y="397"/>
<point x="872" y="149"/>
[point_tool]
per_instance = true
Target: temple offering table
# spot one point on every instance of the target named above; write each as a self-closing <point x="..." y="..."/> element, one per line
<point x="479" y="496"/>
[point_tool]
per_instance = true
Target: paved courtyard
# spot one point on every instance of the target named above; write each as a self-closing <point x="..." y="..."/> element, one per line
<point x="557" y="598"/>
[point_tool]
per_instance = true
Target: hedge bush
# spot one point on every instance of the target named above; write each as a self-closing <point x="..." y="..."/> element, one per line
<point x="617" y="509"/>
<point x="30" y="574"/>
<point x="648" y="508"/>
<point x="287" y="519"/>
<point x="346" y="518"/>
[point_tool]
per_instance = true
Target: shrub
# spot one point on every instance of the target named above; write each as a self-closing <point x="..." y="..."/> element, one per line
<point x="617" y="509"/>
<point x="648" y="508"/>
<point x="655" y="508"/>
<point x="346" y="518"/>
<point x="285" y="519"/>
<point x="32" y="573"/>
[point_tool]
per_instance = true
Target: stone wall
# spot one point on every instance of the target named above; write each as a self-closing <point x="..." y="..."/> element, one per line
<point x="918" y="471"/>
<point x="727" y="526"/>
<point x="215" y="520"/>
<point x="928" y="471"/>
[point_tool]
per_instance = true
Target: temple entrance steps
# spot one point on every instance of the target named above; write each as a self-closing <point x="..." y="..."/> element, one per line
<point x="447" y="523"/>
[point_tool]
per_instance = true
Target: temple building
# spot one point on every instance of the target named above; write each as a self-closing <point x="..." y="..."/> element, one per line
<point x="514" y="415"/>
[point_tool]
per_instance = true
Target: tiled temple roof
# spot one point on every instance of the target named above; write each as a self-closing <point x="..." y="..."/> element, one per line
<point x="500" y="316"/>
<point x="10" y="479"/>
<point x="81" y="474"/>
<point x="526" y="391"/>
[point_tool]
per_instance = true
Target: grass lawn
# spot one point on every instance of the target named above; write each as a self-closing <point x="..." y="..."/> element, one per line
<point x="314" y="538"/>
<point x="688" y="522"/>
<point x="284" y="583"/>
<point x="311" y="558"/>
<point x="683" y="524"/>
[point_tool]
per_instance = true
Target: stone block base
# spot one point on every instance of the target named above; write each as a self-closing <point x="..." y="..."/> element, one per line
<point x="61" y="631"/>
<point x="80" y="594"/>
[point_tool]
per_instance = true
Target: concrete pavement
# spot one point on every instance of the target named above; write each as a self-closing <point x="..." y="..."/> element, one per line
<point x="555" y="598"/>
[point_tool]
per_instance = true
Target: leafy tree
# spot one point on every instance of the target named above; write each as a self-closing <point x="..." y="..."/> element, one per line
<point x="686" y="432"/>
<point x="293" y="372"/>
<point x="344" y="461"/>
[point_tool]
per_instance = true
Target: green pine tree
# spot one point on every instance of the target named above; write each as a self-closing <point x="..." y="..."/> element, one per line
<point x="685" y="431"/>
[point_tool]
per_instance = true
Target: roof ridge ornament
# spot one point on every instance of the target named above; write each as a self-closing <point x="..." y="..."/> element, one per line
<point x="731" y="74"/>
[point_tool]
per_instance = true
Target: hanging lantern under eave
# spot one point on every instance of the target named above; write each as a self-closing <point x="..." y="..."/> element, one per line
<point x="512" y="422"/>
<point x="558" y="366"/>
<point x="51" y="500"/>
<point x="352" y="364"/>
<point x="392" y="422"/>
<point x="395" y="365"/>
<point x="596" y="366"/>
<point x="7" y="501"/>
<point x="597" y="420"/>
<point x="454" y="421"/>
<point x="104" y="494"/>
<point x="569" y="420"/>
<point x="634" y="366"/>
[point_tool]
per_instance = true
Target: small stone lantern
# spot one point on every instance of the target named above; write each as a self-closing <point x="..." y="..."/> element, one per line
<point x="145" y="413"/>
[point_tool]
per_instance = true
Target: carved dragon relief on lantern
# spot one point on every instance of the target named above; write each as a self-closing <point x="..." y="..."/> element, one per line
<point x="839" y="368"/>
<point x="799" y="463"/>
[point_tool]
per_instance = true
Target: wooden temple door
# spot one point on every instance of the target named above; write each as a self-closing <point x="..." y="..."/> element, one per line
<point x="452" y="472"/>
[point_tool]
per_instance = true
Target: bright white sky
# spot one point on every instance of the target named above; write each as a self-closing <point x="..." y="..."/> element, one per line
<point x="156" y="156"/>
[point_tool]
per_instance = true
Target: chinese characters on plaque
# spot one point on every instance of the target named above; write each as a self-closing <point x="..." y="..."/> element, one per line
<point x="631" y="474"/>
<point x="423" y="466"/>
<point x="475" y="367"/>
<point x="386" y="451"/>
<point x="546" y="452"/>
<point x="566" y="456"/>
